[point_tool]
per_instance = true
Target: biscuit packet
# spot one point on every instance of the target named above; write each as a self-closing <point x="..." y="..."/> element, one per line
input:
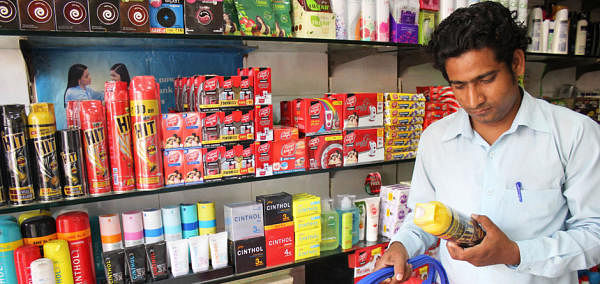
<point x="255" y="17"/>
<point x="231" y="23"/>
<point x="283" y="19"/>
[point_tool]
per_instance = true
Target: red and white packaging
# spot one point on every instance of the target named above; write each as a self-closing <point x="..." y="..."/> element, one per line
<point x="192" y="130"/>
<point x="72" y="113"/>
<point x="93" y="126"/>
<point x="188" y="94"/>
<point x="280" y="244"/>
<point x="363" y="260"/>
<point x="230" y="128"/>
<point x="174" y="167"/>
<point x="361" y="109"/>
<point x="211" y="128"/>
<point x="231" y="162"/>
<point x="286" y="109"/>
<point x="289" y="152"/>
<point x="193" y="165"/>
<point x="247" y="167"/>
<point x="324" y="151"/>
<point x="319" y="116"/>
<point x="262" y="83"/>
<point x="247" y="124"/>
<point x="233" y="95"/>
<point x="434" y="93"/>
<point x="212" y="158"/>
<point x="363" y="146"/>
<point x="264" y="158"/>
<point x="207" y="93"/>
<point x="173" y="130"/>
<point x="263" y="120"/>
<point x="247" y="90"/>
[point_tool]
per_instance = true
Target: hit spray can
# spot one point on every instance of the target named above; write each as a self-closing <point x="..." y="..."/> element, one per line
<point x="38" y="230"/>
<point x="58" y="252"/>
<point x="17" y="177"/>
<point x="74" y="227"/>
<point x="70" y="152"/>
<point x="93" y="126"/>
<point x="145" y="118"/>
<point x="118" y="121"/>
<point x="42" y="137"/>
<point x="24" y="256"/>
<point x="10" y="240"/>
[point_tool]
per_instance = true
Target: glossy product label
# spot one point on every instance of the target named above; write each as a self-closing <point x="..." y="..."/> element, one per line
<point x="135" y="259"/>
<point x="114" y="267"/>
<point x="44" y="142"/>
<point x="20" y="188"/>
<point x="156" y="255"/>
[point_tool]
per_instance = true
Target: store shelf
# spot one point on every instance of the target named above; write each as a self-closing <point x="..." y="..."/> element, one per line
<point x="112" y="196"/>
<point x="582" y="63"/>
<point x="217" y="276"/>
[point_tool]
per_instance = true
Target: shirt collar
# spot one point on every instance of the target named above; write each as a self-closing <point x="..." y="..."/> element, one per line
<point x="529" y="115"/>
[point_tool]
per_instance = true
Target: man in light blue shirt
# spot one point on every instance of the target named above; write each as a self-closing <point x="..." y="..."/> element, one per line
<point x="473" y="159"/>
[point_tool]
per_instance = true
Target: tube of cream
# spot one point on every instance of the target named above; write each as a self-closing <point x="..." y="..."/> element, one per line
<point x="218" y="249"/>
<point x="199" y="253"/>
<point x="372" y="225"/>
<point x="178" y="257"/>
<point x="114" y="266"/>
<point x="362" y="212"/>
<point x="42" y="271"/>
<point x="135" y="258"/>
<point x="156" y="256"/>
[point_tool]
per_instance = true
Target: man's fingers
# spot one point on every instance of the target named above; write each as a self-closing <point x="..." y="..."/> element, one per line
<point x="407" y="272"/>
<point x="455" y="251"/>
<point x="485" y="222"/>
<point x="399" y="271"/>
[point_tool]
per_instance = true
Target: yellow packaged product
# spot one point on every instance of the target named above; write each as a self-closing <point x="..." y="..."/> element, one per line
<point x="404" y="105"/>
<point x="400" y="156"/>
<point x="308" y="237"/>
<point x="440" y="220"/>
<point x="390" y="121"/>
<point x="307" y="223"/>
<point x="305" y="204"/>
<point x="304" y="252"/>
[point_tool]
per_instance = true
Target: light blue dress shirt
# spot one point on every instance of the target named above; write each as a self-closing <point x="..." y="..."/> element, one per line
<point x="78" y="94"/>
<point x="554" y="152"/>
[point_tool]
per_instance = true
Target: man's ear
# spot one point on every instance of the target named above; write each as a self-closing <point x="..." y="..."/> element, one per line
<point x="518" y="62"/>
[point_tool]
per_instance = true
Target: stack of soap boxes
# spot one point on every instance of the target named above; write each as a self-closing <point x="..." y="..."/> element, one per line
<point x="393" y="208"/>
<point x="279" y="227"/>
<point x="245" y="231"/>
<point x="307" y="225"/>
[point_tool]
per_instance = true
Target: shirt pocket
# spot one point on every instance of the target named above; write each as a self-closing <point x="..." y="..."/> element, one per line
<point x="533" y="215"/>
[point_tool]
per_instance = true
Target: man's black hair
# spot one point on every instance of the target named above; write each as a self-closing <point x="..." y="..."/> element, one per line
<point x="481" y="25"/>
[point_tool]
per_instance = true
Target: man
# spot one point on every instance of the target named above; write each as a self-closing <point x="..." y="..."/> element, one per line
<point x="472" y="160"/>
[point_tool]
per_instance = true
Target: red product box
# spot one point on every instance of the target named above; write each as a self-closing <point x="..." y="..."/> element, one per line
<point x="193" y="165"/>
<point x="363" y="260"/>
<point x="434" y="93"/>
<point x="287" y="113"/>
<point x="280" y="243"/>
<point x="208" y="92"/>
<point x="247" y="125"/>
<point x="231" y="94"/>
<point x="230" y="128"/>
<point x="192" y="132"/>
<point x="324" y="152"/>
<point x="195" y="87"/>
<point x="212" y="161"/>
<point x="247" y="90"/>
<point x="231" y="162"/>
<point x="261" y="77"/>
<point x="248" y="157"/>
<point x="285" y="133"/>
<point x="363" y="146"/>
<point x="433" y="5"/>
<point x="186" y="95"/>
<point x="174" y="167"/>
<point x="263" y="120"/>
<point x="431" y="106"/>
<point x="263" y="156"/>
<point x="319" y="116"/>
<point x="361" y="109"/>
<point x="173" y="130"/>
<point x="289" y="156"/>
<point x="211" y="127"/>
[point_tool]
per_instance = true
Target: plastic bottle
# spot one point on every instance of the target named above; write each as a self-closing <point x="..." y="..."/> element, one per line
<point x="345" y="204"/>
<point x="580" y="38"/>
<point x="440" y="220"/>
<point x="330" y="230"/>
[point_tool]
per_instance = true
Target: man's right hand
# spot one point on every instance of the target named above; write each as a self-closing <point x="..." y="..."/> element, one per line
<point x="395" y="256"/>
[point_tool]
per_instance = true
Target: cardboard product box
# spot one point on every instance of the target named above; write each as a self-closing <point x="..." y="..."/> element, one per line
<point x="402" y="142"/>
<point x="363" y="260"/>
<point x="405" y="33"/>
<point x="261" y="79"/>
<point x="208" y="92"/>
<point x="285" y="133"/>
<point x="363" y="146"/>
<point x="72" y="15"/>
<point x="391" y="121"/>
<point x="244" y="220"/>
<point x="361" y="109"/>
<point x="393" y="133"/>
<point x="393" y="113"/>
<point x="308" y="24"/>
<point x="406" y="96"/>
<point x="10" y="16"/>
<point x="231" y="163"/>
<point x="212" y="157"/>
<point x="277" y="208"/>
<point x="247" y="168"/>
<point x="247" y="89"/>
<point x="264" y="158"/>
<point x="37" y="15"/>
<point x="308" y="251"/>
<point x="135" y="17"/>
<point x="263" y="121"/>
<point x="194" y="165"/>
<point x="319" y="116"/>
<point x="427" y="20"/>
<point x="286" y="109"/>
<point x="248" y="254"/>
<point x="246" y="124"/>
<point x="401" y="155"/>
<point x="204" y="17"/>
<point x="307" y="223"/>
<point x="166" y="18"/>
<point x="289" y="156"/>
<point x="230" y="128"/>
<point x="173" y="131"/>
<point x="400" y="149"/>
<point x="433" y="5"/>
<point x="233" y="95"/>
<point x="389" y="105"/>
<point x="308" y="237"/>
<point x="280" y="244"/>
<point x="105" y="15"/>
<point x="324" y="151"/>
<point x="305" y="205"/>
<point x="389" y="130"/>
<point x="192" y="129"/>
<point x="211" y="128"/>
<point x="174" y="167"/>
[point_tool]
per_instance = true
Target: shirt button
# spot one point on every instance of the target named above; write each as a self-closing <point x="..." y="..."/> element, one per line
<point x="491" y="155"/>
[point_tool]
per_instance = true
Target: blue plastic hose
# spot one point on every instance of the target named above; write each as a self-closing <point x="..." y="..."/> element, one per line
<point x="435" y="267"/>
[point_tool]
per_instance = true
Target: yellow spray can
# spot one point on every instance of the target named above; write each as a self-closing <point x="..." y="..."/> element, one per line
<point x="440" y="220"/>
<point x="58" y="252"/>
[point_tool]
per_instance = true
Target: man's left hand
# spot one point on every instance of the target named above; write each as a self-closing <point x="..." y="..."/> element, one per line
<point x="495" y="248"/>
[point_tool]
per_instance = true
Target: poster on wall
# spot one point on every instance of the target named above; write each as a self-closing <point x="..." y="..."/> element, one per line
<point x="64" y="74"/>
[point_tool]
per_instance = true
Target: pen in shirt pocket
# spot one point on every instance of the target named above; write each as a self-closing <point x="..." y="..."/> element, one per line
<point x="518" y="185"/>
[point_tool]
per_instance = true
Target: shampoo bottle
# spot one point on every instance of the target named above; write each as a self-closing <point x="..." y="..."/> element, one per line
<point x="330" y="229"/>
<point x="345" y="204"/>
